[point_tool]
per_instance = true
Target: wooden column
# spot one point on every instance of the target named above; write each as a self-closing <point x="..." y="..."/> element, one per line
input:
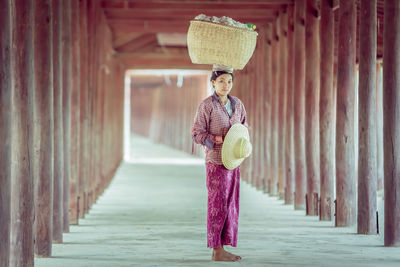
<point x="379" y="127"/>
<point x="367" y="172"/>
<point x="5" y="131"/>
<point x="312" y="107"/>
<point x="299" y="103"/>
<point x="66" y="84"/>
<point x="274" y="113"/>
<point x="289" y="151"/>
<point x="391" y="113"/>
<point x="22" y="200"/>
<point x="58" y="125"/>
<point x="283" y="57"/>
<point x="326" y="111"/>
<point x="83" y="112"/>
<point x="268" y="104"/>
<point x="75" y="113"/>
<point x="44" y="128"/>
<point x="345" y="158"/>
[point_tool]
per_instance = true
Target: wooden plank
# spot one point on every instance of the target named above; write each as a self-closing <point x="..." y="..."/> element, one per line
<point x="5" y="132"/>
<point x="391" y="100"/>
<point x="58" y="125"/>
<point x="345" y="150"/>
<point x="22" y="186"/>
<point x="299" y="103"/>
<point x="367" y="148"/>
<point x="326" y="111"/>
<point x="271" y="2"/>
<point x="312" y="105"/>
<point x="43" y="128"/>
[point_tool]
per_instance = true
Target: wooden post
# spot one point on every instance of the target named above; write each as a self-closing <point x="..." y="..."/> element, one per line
<point x="58" y="125"/>
<point x="268" y="103"/>
<point x="345" y="150"/>
<point x="44" y="128"/>
<point x="75" y="108"/>
<point x="299" y="103"/>
<point x="22" y="200"/>
<point x="283" y="57"/>
<point x="5" y="131"/>
<point x="66" y="83"/>
<point x="289" y="151"/>
<point x="83" y="112"/>
<point x="379" y="127"/>
<point x="367" y="172"/>
<point x="391" y="113"/>
<point x="326" y="110"/>
<point x="274" y="113"/>
<point x="312" y="103"/>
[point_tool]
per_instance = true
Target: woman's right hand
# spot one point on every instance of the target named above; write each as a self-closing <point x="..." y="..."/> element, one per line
<point x="219" y="140"/>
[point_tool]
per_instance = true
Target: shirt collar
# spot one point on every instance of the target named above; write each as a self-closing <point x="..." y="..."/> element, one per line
<point x="233" y="102"/>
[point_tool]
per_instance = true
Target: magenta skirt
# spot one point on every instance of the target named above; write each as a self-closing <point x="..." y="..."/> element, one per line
<point x="223" y="205"/>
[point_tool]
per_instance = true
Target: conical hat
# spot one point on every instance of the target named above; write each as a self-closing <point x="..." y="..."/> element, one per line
<point x="236" y="146"/>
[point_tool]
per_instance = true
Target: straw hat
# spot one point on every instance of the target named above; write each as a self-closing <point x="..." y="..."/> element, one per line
<point x="236" y="146"/>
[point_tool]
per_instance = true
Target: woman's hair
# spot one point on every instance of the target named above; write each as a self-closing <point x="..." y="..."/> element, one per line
<point x="216" y="74"/>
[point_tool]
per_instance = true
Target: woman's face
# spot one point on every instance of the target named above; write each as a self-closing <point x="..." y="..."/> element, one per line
<point x="223" y="84"/>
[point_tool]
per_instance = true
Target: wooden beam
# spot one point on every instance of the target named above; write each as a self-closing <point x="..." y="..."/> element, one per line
<point x="115" y="13"/>
<point x="192" y="5"/>
<point x="269" y="2"/>
<point x="144" y="42"/>
<point x="125" y="39"/>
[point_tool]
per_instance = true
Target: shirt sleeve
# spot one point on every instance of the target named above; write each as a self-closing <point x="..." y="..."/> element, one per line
<point x="243" y="118"/>
<point x="200" y="127"/>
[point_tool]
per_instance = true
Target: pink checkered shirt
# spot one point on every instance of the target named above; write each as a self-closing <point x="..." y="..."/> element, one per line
<point x="212" y="120"/>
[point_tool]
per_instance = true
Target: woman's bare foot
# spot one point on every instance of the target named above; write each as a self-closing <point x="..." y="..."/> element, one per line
<point x="219" y="254"/>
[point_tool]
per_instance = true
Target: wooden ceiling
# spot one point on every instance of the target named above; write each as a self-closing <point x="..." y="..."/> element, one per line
<point x="152" y="33"/>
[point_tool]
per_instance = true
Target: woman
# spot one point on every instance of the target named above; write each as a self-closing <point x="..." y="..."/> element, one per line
<point x="215" y="115"/>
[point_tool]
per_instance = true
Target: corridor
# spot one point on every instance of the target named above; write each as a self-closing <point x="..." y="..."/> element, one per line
<point x="154" y="213"/>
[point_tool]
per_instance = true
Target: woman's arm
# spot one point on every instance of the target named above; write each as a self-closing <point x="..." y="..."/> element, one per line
<point x="200" y="127"/>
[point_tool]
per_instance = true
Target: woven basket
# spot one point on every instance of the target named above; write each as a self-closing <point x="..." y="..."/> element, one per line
<point x="212" y="43"/>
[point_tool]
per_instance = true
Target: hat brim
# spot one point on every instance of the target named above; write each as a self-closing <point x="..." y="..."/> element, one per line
<point x="235" y="133"/>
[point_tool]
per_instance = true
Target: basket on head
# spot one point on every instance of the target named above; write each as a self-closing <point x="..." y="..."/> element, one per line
<point x="213" y="43"/>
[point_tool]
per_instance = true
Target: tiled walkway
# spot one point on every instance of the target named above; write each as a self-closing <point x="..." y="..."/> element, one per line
<point x="154" y="214"/>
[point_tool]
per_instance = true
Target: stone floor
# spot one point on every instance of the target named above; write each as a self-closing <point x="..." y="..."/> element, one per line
<point x="154" y="214"/>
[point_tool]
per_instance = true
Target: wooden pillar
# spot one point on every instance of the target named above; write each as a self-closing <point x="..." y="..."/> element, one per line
<point x="283" y="57"/>
<point x="391" y="113"/>
<point x="5" y="131"/>
<point x="58" y="191"/>
<point x="44" y="128"/>
<point x="268" y="103"/>
<point x="299" y="103"/>
<point x="326" y="111"/>
<point x="75" y="113"/>
<point x="345" y="150"/>
<point x="379" y="127"/>
<point x="22" y="200"/>
<point x="367" y="172"/>
<point x="66" y="84"/>
<point x="275" y="110"/>
<point x="83" y="106"/>
<point x="289" y="151"/>
<point x="312" y="107"/>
